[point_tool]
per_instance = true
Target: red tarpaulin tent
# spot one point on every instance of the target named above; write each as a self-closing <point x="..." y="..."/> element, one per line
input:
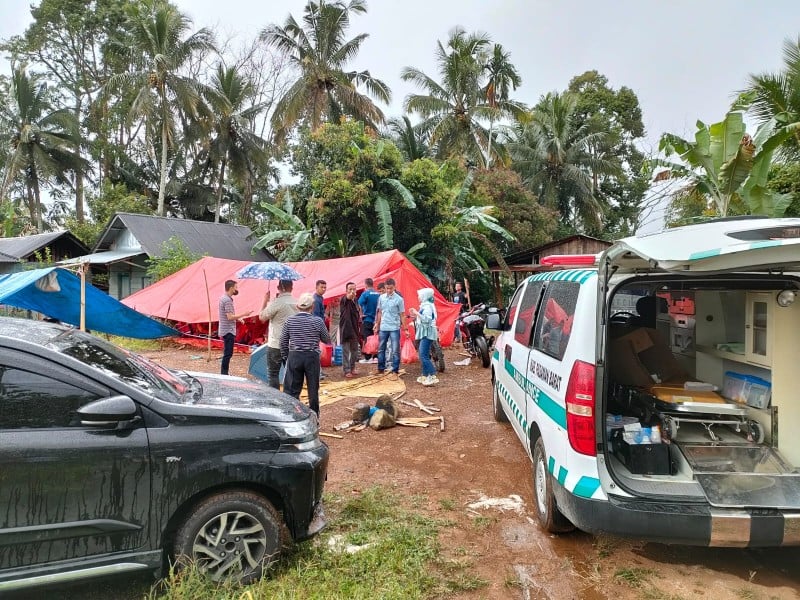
<point x="192" y="294"/>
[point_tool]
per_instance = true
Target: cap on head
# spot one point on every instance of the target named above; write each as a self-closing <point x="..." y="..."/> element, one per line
<point x="305" y="301"/>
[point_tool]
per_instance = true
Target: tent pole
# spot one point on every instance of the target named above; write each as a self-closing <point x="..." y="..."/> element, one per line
<point x="208" y="299"/>
<point x="83" y="296"/>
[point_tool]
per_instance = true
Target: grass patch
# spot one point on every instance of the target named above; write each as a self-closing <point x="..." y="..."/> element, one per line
<point x="135" y="345"/>
<point x="482" y="523"/>
<point x="447" y="503"/>
<point x="403" y="559"/>
<point x="635" y="577"/>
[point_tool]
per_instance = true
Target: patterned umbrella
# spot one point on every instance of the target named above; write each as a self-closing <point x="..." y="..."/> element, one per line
<point x="269" y="271"/>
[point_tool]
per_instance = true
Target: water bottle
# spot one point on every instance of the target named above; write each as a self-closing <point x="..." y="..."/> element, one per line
<point x="655" y="434"/>
<point x="645" y="435"/>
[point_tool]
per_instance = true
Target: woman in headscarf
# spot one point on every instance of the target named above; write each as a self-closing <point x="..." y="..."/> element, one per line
<point x="426" y="333"/>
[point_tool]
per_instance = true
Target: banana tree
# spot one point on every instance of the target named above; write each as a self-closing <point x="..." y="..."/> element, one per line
<point x="725" y="164"/>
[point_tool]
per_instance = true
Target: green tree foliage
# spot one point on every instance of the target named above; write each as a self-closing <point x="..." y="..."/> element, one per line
<point x="41" y="141"/>
<point x="784" y="178"/>
<point x="727" y="166"/>
<point x="516" y="208"/>
<point x="103" y="205"/>
<point x="175" y="255"/>
<point x="324" y="91"/>
<point x="158" y="46"/>
<point x="560" y="154"/>
<point x="618" y="114"/>
<point x="776" y="96"/>
<point x="474" y="79"/>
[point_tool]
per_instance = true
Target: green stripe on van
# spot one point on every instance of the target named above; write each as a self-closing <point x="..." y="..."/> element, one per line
<point x="548" y="405"/>
<point x="562" y="475"/>
<point x="705" y="254"/>
<point x="765" y="244"/>
<point x="586" y="487"/>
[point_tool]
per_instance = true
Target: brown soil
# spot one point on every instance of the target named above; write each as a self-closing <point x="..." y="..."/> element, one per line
<point x="474" y="457"/>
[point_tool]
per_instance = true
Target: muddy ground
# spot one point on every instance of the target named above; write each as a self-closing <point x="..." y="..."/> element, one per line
<point x="475" y="457"/>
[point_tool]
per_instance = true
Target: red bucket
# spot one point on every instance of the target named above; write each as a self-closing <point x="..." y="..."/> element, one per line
<point x="326" y="353"/>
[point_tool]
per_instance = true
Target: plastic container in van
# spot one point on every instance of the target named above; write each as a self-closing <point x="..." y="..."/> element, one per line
<point x="747" y="389"/>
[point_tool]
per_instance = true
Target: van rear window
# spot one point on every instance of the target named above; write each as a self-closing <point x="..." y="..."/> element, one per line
<point x="770" y="233"/>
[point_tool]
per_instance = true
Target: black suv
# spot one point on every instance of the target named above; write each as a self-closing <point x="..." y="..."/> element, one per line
<point x="110" y="463"/>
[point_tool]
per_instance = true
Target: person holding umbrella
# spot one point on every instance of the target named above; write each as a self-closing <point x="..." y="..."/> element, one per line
<point x="277" y="312"/>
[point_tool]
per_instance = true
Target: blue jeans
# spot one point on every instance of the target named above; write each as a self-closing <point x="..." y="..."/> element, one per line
<point x="383" y="337"/>
<point x="227" y="352"/>
<point x="425" y="357"/>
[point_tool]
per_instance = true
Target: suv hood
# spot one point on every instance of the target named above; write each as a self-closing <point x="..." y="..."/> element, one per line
<point x="747" y="244"/>
<point x="237" y="396"/>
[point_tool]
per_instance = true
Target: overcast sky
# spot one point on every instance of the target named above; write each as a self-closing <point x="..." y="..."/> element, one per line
<point x="683" y="58"/>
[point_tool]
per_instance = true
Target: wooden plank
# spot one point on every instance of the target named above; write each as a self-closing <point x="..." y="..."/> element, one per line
<point x="422" y="407"/>
<point x="333" y="435"/>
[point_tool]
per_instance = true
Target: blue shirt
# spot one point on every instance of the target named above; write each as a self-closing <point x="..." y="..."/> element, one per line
<point x="391" y="308"/>
<point x="319" y="307"/>
<point x="368" y="301"/>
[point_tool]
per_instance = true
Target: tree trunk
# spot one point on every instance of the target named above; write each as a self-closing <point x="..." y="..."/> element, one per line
<point x="245" y="216"/>
<point x="78" y="172"/>
<point x="220" y="187"/>
<point x="162" y="180"/>
<point x="489" y="144"/>
<point x="37" y="202"/>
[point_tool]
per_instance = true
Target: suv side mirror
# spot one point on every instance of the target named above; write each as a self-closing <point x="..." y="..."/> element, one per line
<point x="107" y="411"/>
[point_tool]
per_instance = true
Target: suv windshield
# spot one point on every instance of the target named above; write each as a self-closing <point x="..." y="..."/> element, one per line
<point x="127" y="366"/>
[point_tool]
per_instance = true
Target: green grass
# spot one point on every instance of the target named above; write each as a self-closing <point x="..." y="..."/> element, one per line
<point x="135" y="345"/>
<point x="404" y="559"/>
<point x="635" y="577"/>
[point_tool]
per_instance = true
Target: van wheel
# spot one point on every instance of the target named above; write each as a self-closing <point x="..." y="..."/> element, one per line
<point x="550" y="518"/>
<point x="497" y="408"/>
<point x="483" y="351"/>
<point x="234" y="535"/>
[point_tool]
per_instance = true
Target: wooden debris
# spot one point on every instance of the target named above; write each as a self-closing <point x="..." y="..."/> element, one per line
<point x="422" y="407"/>
<point x="344" y="425"/>
<point x="441" y="426"/>
<point x="421" y="419"/>
<point x="405" y="423"/>
<point x="333" y="435"/>
<point x="400" y="395"/>
<point x="360" y="427"/>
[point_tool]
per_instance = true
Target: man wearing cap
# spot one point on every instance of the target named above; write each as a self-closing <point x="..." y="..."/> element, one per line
<point x="227" y="323"/>
<point x="277" y="312"/>
<point x="300" y="339"/>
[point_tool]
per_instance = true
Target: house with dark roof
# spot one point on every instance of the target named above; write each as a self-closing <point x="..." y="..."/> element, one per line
<point x="53" y="246"/>
<point x="129" y="240"/>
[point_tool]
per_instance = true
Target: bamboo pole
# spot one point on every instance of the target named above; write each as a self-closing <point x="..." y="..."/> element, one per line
<point x="83" y="268"/>
<point x="208" y="298"/>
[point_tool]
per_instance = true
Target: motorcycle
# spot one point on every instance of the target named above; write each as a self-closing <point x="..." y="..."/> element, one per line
<point x="471" y="325"/>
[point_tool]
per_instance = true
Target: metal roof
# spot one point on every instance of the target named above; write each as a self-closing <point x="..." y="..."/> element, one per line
<point x="102" y="258"/>
<point x="18" y="248"/>
<point x="219" y="240"/>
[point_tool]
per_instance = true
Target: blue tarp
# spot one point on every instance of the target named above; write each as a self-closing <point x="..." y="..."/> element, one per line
<point x="56" y="292"/>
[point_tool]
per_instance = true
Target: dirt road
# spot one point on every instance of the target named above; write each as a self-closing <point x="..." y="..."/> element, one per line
<point x="477" y="459"/>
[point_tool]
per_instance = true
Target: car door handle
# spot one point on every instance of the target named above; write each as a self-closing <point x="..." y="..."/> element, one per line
<point x="507" y="351"/>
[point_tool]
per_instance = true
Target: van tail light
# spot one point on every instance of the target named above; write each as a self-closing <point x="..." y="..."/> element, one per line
<point x="580" y="408"/>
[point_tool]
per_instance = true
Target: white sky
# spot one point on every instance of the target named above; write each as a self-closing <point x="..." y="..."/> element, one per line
<point x="683" y="58"/>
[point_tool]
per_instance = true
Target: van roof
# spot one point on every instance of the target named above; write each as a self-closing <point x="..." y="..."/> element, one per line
<point x="748" y="244"/>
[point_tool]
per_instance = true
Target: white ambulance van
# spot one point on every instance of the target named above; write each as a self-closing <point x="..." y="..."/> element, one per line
<point x="656" y="387"/>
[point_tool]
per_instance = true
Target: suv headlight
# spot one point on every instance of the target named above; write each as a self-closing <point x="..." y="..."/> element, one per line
<point x="296" y="435"/>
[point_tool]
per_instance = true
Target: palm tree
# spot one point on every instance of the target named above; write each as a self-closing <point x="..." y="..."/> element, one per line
<point x="234" y="144"/>
<point x="408" y="138"/>
<point x="777" y="95"/>
<point x="287" y="237"/>
<point x="158" y="51"/>
<point x="41" y="141"/>
<point x="553" y="154"/>
<point x="324" y="90"/>
<point x="455" y="109"/>
<point x="503" y="77"/>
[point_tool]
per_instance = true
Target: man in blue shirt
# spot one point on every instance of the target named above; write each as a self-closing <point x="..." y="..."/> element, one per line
<point x="391" y="317"/>
<point x="368" y="301"/>
<point x="319" y="304"/>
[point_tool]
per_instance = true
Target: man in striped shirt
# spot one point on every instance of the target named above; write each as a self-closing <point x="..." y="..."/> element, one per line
<point x="300" y="339"/>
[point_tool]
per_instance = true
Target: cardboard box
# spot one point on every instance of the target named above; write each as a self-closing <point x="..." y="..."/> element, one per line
<point x="636" y="356"/>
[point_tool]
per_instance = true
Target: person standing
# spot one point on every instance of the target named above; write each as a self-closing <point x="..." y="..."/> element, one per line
<point x="277" y="312"/>
<point x="426" y="334"/>
<point x="459" y="297"/>
<point x="319" y="309"/>
<point x="390" y="319"/>
<point x="368" y="302"/>
<point x="300" y="339"/>
<point x="227" y="323"/>
<point x="349" y="329"/>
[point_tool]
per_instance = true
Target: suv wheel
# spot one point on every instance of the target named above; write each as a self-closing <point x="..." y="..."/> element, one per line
<point x="549" y="516"/>
<point x="497" y="408"/>
<point x="233" y="535"/>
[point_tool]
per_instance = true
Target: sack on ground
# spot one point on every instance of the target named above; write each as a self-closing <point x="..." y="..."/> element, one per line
<point x="408" y="354"/>
<point x="381" y="419"/>
<point x="371" y="345"/>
